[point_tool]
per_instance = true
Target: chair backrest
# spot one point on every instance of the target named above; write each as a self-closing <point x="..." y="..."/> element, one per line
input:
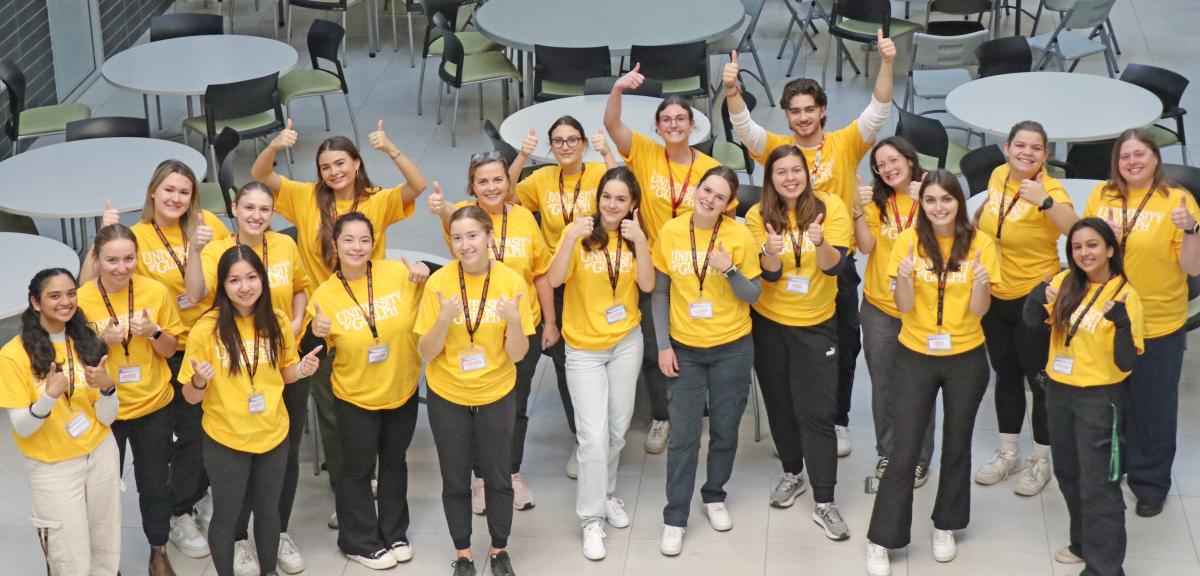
<point x="324" y="40"/>
<point x="748" y="195"/>
<point x="179" y="25"/>
<point x="604" y="85"/>
<point x="14" y="84"/>
<point x="1166" y="84"/>
<point x="877" y="11"/>
<point x="960" y="7"/>
<point x="937" y="52"/>
<point x="108" y="127"/>
<point x="244" y="98"/>
<point x="1186" y="177"/>
<point x="672" y="62"/>
<point x="727" y="124"/>
<point x="328" y="5"/>
<point x="1004" y="56"/>
<point x="1091" y="160"/>
<point x="225" y="143"/>
<point x="448" y="10"/>
<point x="927" y="135"/>
<point x="1087" y="14"/>
<point x="953" y="27"/>
<point x="450" y="70"/>
<point x="569" y="65"/>
<point x="504" y="148"/>
<point x="977" y="166"/>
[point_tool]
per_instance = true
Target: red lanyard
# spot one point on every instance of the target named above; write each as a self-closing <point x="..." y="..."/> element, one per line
<point x="1003" y="213"/>
<point x="816" y="165"/>
<point x="614" y="270"/>
<point x="163" y="237"/>
<point x="503" y="238"/>
<point x="462" y="284"/>
<point x="712" y="241"/>
<point x="112" y="314"/>
<point x="70" y="370"/>
<point x="677" y="201"/>
<point x="941" y="295"/>
<point x="912" y="213"/>
<point x="251" y="369"/>
<point x="1127" y="228"/>
<point x="369" y="313"/>
<point x="568" y="217"/>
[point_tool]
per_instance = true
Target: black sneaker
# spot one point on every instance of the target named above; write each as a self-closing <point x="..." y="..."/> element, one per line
<point x="1147" y="508"/>
<point x="502" y="565"/>
<point x="463" y="567"/>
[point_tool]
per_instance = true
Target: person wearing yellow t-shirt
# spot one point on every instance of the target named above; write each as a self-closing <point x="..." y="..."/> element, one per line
<point x="1025" y="212"/>
<point x="1097" y="332"/>
<point x="803" y="237"/>
<point x="944" y="271"/>
<point x="707" y="277"/>
<point x="366" y="312"/>
<point x="238" y="360"/>
<point x="603" y="262"/>
<point x="473" y="329"/>
<point x="137" y="318"/>
<point x="833" y="157"/>
<point x="668" y="175"/>
<point x="882" y="211"/>
<point x="1156" y="227"/>
<point x="60" y="402"/>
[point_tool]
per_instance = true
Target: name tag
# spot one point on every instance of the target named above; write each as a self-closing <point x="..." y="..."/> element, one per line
<point x="472" y="359"/>
<point x="700" y="310"/>
<point x="78" y="425"/>
<point x="893" y="285"/>
<point x="615" y="314"/>
<point x="183" y="301"/>
<point x="798" y="284"/>
<point x="1064" y="364"/>
<point x="377" y="354"/>
<point x="129" y="374"/>
<point x="258" y="403"/>
<point x="938" y="342"/>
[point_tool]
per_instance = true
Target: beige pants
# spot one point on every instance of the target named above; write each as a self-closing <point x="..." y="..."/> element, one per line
<point x="78" y="503"/>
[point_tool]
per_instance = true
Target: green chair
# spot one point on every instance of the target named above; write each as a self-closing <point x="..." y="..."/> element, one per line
<point x="217" y="197"/>
<point x="460" y="69"/>
<point x="250" y="107"/>
<point x="339" y="6"/>
<point x="563" y="72"/>
<point x="15" y="223"/>
<point x="433" y="45"/>
<point x="682" y="68"/>
<point x="857" y="21"/>
<point x="323" y="39"/>
<point x="25" y="123"/>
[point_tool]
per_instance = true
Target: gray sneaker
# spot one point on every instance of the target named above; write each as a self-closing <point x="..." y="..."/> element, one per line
<point x="830" y="520"/>
<point x="785" y="492"/>
<point x="880" y="466"/>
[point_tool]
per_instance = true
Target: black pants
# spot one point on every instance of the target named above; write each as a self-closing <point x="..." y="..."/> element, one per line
<point x="295" y="399"/>
<point x="1018" y="354"/>
<point x="189" y="482"/>
<point x="558" y="355"/>
<point x="320" y="386"/>
<point x="962" y="380"/>
<point x="797" y="372"/>
<point x="150" y="439"/>
<point x="1081" y="431"/>
<point x="652" y="376"/>
<point x="237" y="476"/>
<point x="466" y="436"/>
<point x="368" y="435"/>
<point x="526" y="368"/>
<point x="849" y="338"/>
<point x="1153" y="415"/>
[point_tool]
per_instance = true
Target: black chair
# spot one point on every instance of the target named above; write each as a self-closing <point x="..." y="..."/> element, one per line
<point x="506" y="150"/>
<point x="978" y="165"/>
<point x="218" y="196"/>
<point x="108" y="127"/>
<point x="25" y="122"/>
<point x="251" y="107"/>
<point x="604" y="85"/>
<point x="1188" y="178"/>
<point x="1091" y="160"/>
<point x="1169" y="87"/>
<point x="1004" y="56"/>
<point x="459" y="69"/>
<point x="682" y="68"/>
<point x="180" y="25"/>
<point x="857" y="21"/>
<point x="562" y="72"/>
<point x="964" y="8"/>
<point x="324" y="36"/>
<point x="929" y="137"/>
<point x="748" y="195"/>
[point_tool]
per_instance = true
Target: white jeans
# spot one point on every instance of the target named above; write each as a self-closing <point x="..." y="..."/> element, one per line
<point x="603" y="385"/>
<point x="78" y="503"/>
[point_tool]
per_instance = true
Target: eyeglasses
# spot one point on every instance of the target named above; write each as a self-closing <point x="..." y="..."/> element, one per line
<point x="568" y="142"/>
<point x="674" y="121"/>
<point x="893" y="161"/>
<point x="482" y="157"/>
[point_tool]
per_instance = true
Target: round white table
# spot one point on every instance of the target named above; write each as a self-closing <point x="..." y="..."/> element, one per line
<point x="636" y="111"/>
<point x="1078" y="189"/>
<point x="186" y="66"/>
<point x="24" y="256"/>
<point x="1072" y="107"/>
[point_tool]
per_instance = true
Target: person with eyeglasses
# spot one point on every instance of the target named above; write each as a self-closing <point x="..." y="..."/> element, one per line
<point x="561" y="194"/>
<point x="668" y="174"/>
<point x="521" y="247"/>
<point x="1156" y="226"/>
<point x="1025" y="212"/>
<point x="833" y="157"/>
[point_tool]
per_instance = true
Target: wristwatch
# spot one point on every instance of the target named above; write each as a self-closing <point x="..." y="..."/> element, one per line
<point x="1046" y="204"/>
<point x="157" y="333"/>
<point x="1195" y="229"/>
<point x="732" y="269"/>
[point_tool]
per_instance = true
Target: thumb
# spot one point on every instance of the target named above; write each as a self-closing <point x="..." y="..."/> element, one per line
<point x="770" y="229"/>
<point x="879" y="34"/>
<point x="1047" y="277"/>
<point x="533" y="132"/>
<point x="1038" y="178"/>
<point x="733" y="57"/>
<point x="977" y="253"/>
<point x="1123" y="297"/>
<point x="317" y="309"/>
<point x="819" y="220"/>
<point x="379" y="125"/>
<point x="195" y="366"/>
<point x="289" y="124"/>
<point x="636" y="67"/>
<point x="910" y="250"/>
<point x="103" y="361"/>
<point x="437" y="188"/>
<point x="108" y="204"/>
<point x="53" y="369"/>
<point x="858" y="178"/>
<point x="1183" y="202"/>
<point x="313" y="352"/>
<point x="517" y="298"/>
<point x="145" y="313"/>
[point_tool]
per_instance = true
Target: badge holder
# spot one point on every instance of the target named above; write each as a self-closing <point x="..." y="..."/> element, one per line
<point x="700" y="310"/>
<point x="471" y="359"/>
<point x="1063" y="364"/>
<point x="79" y="424"/>
<point x="938" y="342"/>
<point x="615" y="313"/>
<point x="798" y="285"/>
<point x="183" y="301"/>
<point x="377" y="353"/>
<point x="870" y="484"/>
<point x="258" y="402"/>
<point x="129" y="374"/>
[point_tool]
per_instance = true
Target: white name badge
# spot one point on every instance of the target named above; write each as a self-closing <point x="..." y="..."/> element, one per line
<point x="258" y="403"/>
<point x="377" y="354"/>
<point x="699" y="310"/>
<point x="615" y="314"/>
<point x="937" y="342"/>
<point x="1064" y="364"/>
<point x="183" y="301"/>
<point x="129" y="374"/>
<point x="893" y="288"/>
<point x="472" y="359"/>
<point x="78" y="425"/>
<point x="798" y="284"/>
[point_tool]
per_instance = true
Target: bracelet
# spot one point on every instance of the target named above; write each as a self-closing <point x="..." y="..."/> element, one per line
<point x="109" y="391"/>
<point x="857" y="215"/>
<point x="192" y="383"/>
<point x="300" y="371"/>
<point x="36" y="415"/>
<point x="821" y="244"/>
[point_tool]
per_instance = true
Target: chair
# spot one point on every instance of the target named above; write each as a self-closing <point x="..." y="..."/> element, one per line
<point x="682" y="68"/>
<point x="460" y="69"/>
<point x="1062" y="45"/>
<point x="857" y="21"/>
<point x="217" y="197"/>
<point x="1004" y="56"/>
<point x="506" y="150"/>
<point x="180" y="25"/>
<point x="934" y="147"/>
<point x="1188" y="178"/>
<point x="108" y="127"/>
<point x="604" y="85"/>
<point x="562" y="72"/>
<point x="250" y="107"/>
<point x="432" y="45"/>
<point x="324" y="36"/>
<point x="15" y="223"/>
<point x="1091" y="160"/>
<point x="1169" y="87"/>
<point x="728" y="151"/>
<point x="744" y="44"/>
<point x="340" y="6"/>
<point x="964" y="8"/>
<point x="939" y="66"/>
<point x="977" y="166"/>
<point x="816" y="11"/>
<point x="24" y="123"/>
<point x="748" y="195"/>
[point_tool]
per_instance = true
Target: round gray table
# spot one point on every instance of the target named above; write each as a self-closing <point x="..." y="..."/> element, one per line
<point x="1072" y="107"/>
<point x="186" y="66"/>
<point x="24" y="256"/>
<point x="1078" y="189"/>
<point x="636" y="111"/>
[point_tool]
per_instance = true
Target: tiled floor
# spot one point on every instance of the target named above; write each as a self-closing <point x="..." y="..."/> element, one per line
<point x="1008" y="535"/>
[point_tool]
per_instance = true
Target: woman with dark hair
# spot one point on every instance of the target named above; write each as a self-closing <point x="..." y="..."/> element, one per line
<point x="707" y="278"/>
<point x="471" y="345"/>
<point x="243" y="349"/>
<point x="61" y="401"/>
<point x="138" y="319"/>
<point x="1096" y="325"/>
<point x="944" y="271"/>
<point x="1156" y="228"/>
<point x="603" y="261"/>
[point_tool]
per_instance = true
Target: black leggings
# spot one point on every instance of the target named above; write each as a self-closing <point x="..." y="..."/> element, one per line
<point x="149" y="439"/>
<point x="295" y="399"/>
<point x="1018" y="354"/>
<point x="237" y="476"/>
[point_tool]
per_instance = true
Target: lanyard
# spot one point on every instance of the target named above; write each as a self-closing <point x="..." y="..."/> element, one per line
<point x="797" y="244"/>
<point x="912" y="213"/>
<point x="702" y="272"/>
<point x="614" y="271"/>
<point x="112" y="314"/>
<point x="1003" y="213"/>
<point x="1083" y="313"/>
<point x="941" y="296"/>
<point x="369" y="314"/>
<point x="499" y="255"/>
<point x="676" y="201"/>
<point x="265" y="260"/>
<point x="251" y="369"/>
<point x="163" y="237"/>
<point x="462" y="285"/>
<point x="1127" y="228"/>
<point x="568" y="217"/>
<point x="70" y="372"/>
<point x="816" y="165"/>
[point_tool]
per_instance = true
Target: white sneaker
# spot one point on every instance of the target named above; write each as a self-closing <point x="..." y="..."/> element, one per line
<point x="656" y="438"/>
<point x="522" y="495"/>
<point x="843" y="441"/>
<point x="1002" y="464"/>
<point x="718" y="516"/>
<point x="573" y="464"/>
<point x="478" y="499"/>
<point x="244" y="561"/>
<point x="289" y="559"/>
<point x="614" y="513"/>
<point x="672" y="540"/>
<point x="1034" y="477"/>
<point x="204" y="510"/>
<point x="944" y="548"/>
<point x="402" y="551"/>
<point x="878" y="562"/>
<point x="1064" y="555"/>
<point x="593" y="540"/>
<point x="186" y="536"/>
<point x="378" y="560"/>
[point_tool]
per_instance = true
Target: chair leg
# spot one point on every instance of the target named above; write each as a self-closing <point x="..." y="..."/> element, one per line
<point x="353" y="123"/>
<point x="412" y="52"/>
<point x="158" y="110"/>
<point x="395" y="36"/>
<point x="439" y="104"/>
<point x="1110" y="55"/>
<point x="421" y="85"/>
<point x="754" y="392"/>
<point x="345" y="51"/>
<point x="908" y="93"/>
<point x="1112" y="34"/>
<point x="762" y="75"/>
<point x="481" y="101"/>
<point x="212" y="161"/>
<point x="325" y="109"/>
<point x="825" y="67"/>
<point x="287" y="37"/>
<point x="454" y="118"/>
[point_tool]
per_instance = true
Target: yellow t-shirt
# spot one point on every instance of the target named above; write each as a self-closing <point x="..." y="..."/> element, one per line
<point x="19" y="389"/>
<point x="297" y="202"/>
<point x="151" y="390"/>
<point x="803" y="296"/>
<point x="525" y="249"/>
<point x="1091" y="352"/>
<point x="227" y="417"/>
<point x="1151" y="252"/>
<point x="589" y="299"/>
<point x="444" y="373"/>
<point x="963" y="327"/>
<point x="540" y="193"/>
<point x="155" y="262"/>
<point x="877" y="285"/>
<point x="373" y="374"/>
<point x="283" y="268"/>
<point x="713" y="316"/>
<point x="660" y="179"/>
<point x="1028" y="241"/>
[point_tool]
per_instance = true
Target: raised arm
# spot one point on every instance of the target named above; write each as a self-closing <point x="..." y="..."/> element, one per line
<point x="414" y="181"/>
<point x="621" y="135"/>
<point x="876" y="113"/>
<point x="263" y="169"/>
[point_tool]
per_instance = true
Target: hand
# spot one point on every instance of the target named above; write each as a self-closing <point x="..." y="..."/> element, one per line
<point x="631" y="80"/>
<point x="1181" y="217"/>
<point x="1117" y="227"/>
<point x="110" y="215"/>
<point x="866" y="194"/>
<point x="285" y="139"/>
<point x="886" y="47"/>
<point x="309" y="363"/>
<point x="1118" y="304"/>
<point x="203" y="235"/>
<point x="978" y="271"/>
<point x="1033" y="191"/>
<point x="509" y="309"/>
<point x="816" y="232"/>
<point x="668" y="363"/>
<point x="907" y="264"/>
<point x="142" y="326"/>
<point x="631" y="230"/>
<point x="436" y="202"/>
<point x="97" y="376"/>
<point x="530" y="142"/>
<point x="321" y="324"/>
<point x="113" y="334"/>
<point x="550" y="335"/>
<point x="914" y="187"/>
<point x="1051" y="291"/>
<point x="729" y="74"/>
<point x="450" y="307"/>
<point x="417" y="273"/>
<point x="720" y="260"/>
<point x="600" y="143"/>
<point x="774" y="241"/>
<point x="381" y="142"/>
<point x="202" y="373"/>
<point x="56" y="382"/>
<point x="582" y="227"/>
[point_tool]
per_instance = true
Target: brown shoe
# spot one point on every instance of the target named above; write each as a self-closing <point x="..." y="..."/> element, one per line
<point x="160" y="564"/>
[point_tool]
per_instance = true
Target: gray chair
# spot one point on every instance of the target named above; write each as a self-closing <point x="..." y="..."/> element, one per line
<point x="744" y="44"/>
<point x="939" y="65"/>
<point x="816" y="11"/>
<point x="934" y="147"/>
<point x="604" y="85"/>
<point x="1062" y="45"/>
<point x="339" y="6"/>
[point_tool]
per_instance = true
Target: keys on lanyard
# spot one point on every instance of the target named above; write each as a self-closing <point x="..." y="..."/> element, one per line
<point x="677" y="201"/>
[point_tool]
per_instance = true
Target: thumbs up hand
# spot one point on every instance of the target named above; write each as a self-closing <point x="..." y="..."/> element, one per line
<point x="201" y="238"/>
<point x="450" y="307"/>
<point x="97" y="376"/>
<point x="309" y="363"/>
<point x="631" y="80"/>
<point x="774" y="244"/>
<point x="1033" y="191"/>
<point x="509" y="309"/>
<point x="600" y="143"/>
<point x="886" y="47"/>
<point x="720" y="260"/>
<point x="729" y="74"/>
<point x="56" y="382"/>
<point x="142" y="326"/>
<point x="529" y="143"/>
<point x="1181" y="217"/>
<point x="978" y="271"/>
<point x="417" y="273"/>
<point x="816" y="232"/>
<point x="1115" y="311"/>
<point x="866" y="194"/>
<point x="110" y="215"/>
<point x="907" y="264"/>
<point x="436" y="201"/>
<point x="202" y="373"/>
<point x="321" y="324"/>
<point x="631" y="229"/>
<point x="113" y="334"/>
<point x="914" y="187"/>
<point x="285" y="139"/>
<point x="381" y="142"/>
<point x="1051" y="292"/>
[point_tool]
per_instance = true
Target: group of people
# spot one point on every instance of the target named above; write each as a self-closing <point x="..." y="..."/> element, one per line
<point x="200" y="346"/>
